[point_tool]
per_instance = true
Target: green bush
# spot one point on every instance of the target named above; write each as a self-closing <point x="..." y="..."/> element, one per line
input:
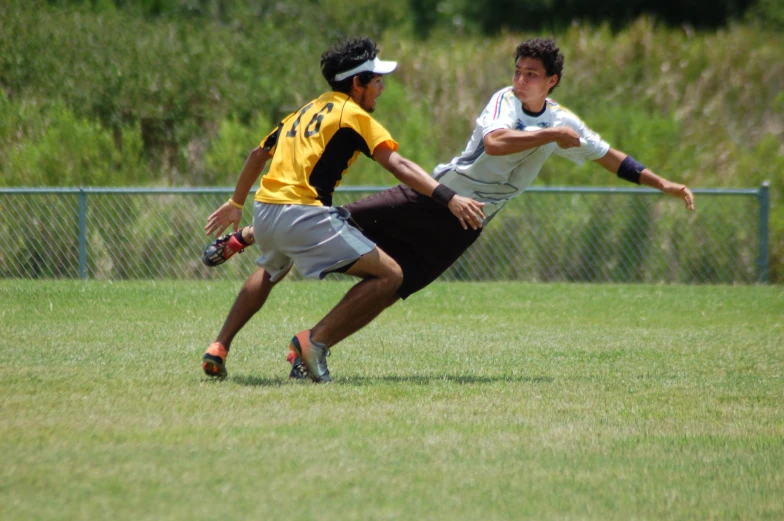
<point x="492" y="15"/>
<point x="769" y="13"/>
<point x="46" y="144"/>
<point x="410" y="122"/>
<point x="227" y="152"/>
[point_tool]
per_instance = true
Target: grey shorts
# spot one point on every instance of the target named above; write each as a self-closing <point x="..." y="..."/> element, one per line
<point x="317" y="239"/>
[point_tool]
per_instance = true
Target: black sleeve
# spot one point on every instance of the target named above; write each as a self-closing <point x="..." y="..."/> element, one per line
<point x="272" y="139"/>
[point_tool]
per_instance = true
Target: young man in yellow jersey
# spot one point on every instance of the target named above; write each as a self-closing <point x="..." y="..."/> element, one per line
<point x="294" y="220"/>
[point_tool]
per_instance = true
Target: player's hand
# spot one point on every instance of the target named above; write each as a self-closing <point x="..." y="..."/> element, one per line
<point x="566" y="137"/>
<point x="222" y="217"/>
<point x="468" y="211"/>
<point x="679" y="190"/>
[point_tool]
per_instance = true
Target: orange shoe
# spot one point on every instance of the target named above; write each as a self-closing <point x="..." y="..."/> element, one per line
<point x="214" y="363"/>
<point x="313" y="356"/>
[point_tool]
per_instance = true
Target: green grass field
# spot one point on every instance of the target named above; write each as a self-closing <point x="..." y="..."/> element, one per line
<point x="466" y="402"/>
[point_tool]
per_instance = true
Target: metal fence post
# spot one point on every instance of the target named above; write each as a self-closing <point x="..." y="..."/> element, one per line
<point x="764" y="218"/>
<point x="82" y="234"/>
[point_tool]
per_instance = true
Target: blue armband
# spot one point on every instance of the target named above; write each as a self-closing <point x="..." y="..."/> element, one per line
<point x="630" y="170"/>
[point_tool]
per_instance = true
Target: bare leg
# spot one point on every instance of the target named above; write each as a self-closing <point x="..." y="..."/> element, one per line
<point x="251" y="298"/>
<point x="365" y="301"/>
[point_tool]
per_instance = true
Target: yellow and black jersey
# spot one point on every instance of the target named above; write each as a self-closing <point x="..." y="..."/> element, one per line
<point x="314" y="146"/>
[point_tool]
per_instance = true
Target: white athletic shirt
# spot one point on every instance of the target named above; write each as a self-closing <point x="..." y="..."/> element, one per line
<point x="494" y="180"/>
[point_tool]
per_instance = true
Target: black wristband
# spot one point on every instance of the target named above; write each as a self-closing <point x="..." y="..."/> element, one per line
<point x="630" y="170"/>
<point x="442" y="195"/>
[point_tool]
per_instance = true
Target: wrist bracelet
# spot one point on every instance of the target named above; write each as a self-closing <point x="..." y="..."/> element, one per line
<point x="235" y="204"/>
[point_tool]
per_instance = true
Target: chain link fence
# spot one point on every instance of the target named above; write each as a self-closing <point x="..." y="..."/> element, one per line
<point x="547" y="234"/>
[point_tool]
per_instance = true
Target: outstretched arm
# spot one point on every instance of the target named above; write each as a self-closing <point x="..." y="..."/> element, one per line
<point x="467" y="210"/>
<point x="230" y="212"/>
<point x="504" y="141"/>
<point x="627" y="168"/>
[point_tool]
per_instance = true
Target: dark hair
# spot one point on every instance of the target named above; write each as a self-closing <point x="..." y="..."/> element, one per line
<point x="344" y="55"/>
<point x="547" y="51"/>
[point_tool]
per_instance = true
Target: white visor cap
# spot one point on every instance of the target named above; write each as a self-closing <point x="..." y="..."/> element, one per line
<point x="375" y="65"/>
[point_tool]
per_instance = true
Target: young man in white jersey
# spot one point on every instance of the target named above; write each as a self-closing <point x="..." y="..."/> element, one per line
<point x="294" y="220"/>
<point x="514" y="135"/>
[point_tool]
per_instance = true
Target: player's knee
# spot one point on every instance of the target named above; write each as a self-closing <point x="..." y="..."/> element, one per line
<point x="397" y="277"/>
<point x="392" y="277"/>
<point x="380" y="266"/>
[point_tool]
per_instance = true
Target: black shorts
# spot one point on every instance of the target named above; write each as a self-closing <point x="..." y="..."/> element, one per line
<point x="421" y="235"/>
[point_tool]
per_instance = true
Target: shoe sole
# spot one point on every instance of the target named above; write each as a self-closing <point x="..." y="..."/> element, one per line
<point x="299" y="372"/>
<point x="214" y="369"/>
<point x="226" y="247"/>
<point x="311" y="372"/>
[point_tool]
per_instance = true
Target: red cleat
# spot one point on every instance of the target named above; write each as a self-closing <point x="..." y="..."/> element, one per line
<point x="222" y="249"/>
